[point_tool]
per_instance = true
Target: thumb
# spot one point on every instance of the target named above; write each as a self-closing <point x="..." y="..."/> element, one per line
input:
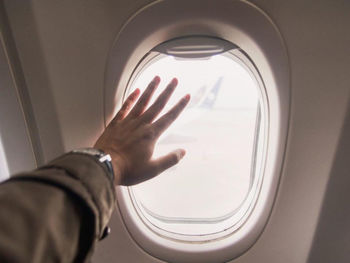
<point x="162" y="163"/>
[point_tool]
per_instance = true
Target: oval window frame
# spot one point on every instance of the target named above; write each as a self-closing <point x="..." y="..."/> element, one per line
<point x="238" y="55"/>
<point x="252" y="30"/>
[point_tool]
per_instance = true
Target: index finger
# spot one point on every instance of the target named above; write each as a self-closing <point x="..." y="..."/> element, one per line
<point x="127" y="106"/>
<point x="144" y="99"/>
<point x="159" y="104"/>
<point x="164" y="122"/>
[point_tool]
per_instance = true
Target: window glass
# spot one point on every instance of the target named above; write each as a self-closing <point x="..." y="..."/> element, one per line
<point x="220" y="130"/>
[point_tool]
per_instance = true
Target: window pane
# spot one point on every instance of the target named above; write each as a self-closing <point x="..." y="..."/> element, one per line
<point x="217" y="129"/>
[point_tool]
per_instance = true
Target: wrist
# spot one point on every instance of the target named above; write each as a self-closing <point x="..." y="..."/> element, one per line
<point x="118" y="163"/>
<point x="103" y="158"/>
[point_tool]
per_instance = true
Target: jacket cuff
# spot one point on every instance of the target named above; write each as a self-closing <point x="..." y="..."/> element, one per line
<point x="95" y="186"/>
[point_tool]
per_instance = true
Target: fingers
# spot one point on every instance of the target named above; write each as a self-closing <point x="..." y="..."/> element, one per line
<point x="159" y="104"/>
<point x="164" y="122"/>
<point x="127" y="105"/>
<point x="141" y="105"/>
<point x="161" y="164"/>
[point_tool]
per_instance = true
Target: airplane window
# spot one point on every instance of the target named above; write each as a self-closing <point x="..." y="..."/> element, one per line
<point x="222" y="129"/>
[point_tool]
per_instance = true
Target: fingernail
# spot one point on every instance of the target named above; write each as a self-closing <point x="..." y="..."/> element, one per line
<point x="187" y="97"/>
<point x="180" y="153"/>
<point x="156" y="79"/>
<point x="174" y="81"/>
<point x="137" y="91"/>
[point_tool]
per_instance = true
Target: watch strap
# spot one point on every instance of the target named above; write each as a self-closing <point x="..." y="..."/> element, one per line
<point x="102" y="157"/>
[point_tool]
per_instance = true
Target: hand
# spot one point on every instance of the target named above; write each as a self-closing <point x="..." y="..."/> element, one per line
<point x="132" y="134"/>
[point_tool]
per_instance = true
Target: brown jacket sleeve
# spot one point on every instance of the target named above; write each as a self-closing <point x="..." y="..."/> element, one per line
<point x="55" y="213"/>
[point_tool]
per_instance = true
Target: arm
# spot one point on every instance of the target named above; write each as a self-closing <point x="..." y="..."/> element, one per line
<point x="58" y="212"/>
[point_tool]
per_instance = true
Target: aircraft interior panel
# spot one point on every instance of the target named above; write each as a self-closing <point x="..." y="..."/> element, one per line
<point x="66" y="67"/>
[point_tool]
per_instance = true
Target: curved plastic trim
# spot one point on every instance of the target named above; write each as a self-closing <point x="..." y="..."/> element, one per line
<point x="250" y="29"/>
<point x="194" y="47"/>
<point x="231" y="222"/>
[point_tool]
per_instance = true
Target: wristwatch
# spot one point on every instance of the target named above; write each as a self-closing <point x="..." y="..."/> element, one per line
<point x="102" y="157"/>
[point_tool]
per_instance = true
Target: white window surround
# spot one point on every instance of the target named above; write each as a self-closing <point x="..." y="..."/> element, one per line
<point x="200" y="223"/>
<point x="253" y="31"/>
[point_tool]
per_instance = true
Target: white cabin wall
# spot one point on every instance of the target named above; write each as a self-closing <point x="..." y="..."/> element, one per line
<point x="317" y="39"/>
<point x="332" y="236"/>
<point x="63" y="47"/>
<point x="16" y="151"/>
